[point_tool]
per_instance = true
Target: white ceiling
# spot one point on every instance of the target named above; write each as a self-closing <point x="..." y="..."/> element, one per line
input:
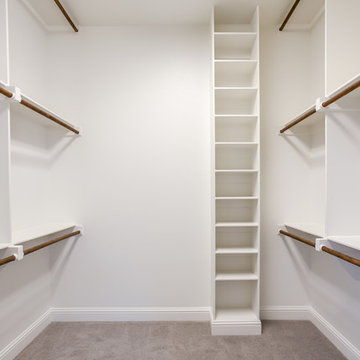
<point x="163" y="12"/>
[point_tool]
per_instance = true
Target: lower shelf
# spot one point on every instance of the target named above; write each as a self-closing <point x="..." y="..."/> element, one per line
<point x="236" y="315"/>
<point x="235" y="276"/>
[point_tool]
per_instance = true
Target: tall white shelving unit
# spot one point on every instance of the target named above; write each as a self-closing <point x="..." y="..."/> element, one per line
<point x="236" y="176"/>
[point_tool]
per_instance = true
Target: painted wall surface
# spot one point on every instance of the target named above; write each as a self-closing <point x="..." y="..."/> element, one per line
<point x="343" y="29"/>
<point x="138" y="179"/>
<point x="283" y="85"/>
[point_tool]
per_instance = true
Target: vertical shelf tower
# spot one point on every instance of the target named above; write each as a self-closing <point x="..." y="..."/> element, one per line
<point x="236" y="176"/>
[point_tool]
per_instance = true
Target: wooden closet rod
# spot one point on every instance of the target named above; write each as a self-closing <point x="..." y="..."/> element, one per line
<point x="338" y="254"/>
<point x="35" y="108"/>
<point x="288" y="16"/>
<point x="302" y="117"/>
<point x="40" y="246"/>
<point x="57" y="2"/>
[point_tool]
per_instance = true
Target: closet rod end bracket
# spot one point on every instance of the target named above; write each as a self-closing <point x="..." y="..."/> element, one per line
<point x="17" y="251"/>
<point x="80" y="228"/>
<point x="318" y="105"/>
<point x="319" y="243"/>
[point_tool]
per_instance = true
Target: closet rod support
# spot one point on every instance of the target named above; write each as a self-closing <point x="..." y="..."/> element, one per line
<point x="288" y="16"/>
<point x="58" y="3"/>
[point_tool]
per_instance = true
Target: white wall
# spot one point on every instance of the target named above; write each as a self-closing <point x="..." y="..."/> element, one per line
<point x="283" y="263"/>
<point x="138" y="178"/>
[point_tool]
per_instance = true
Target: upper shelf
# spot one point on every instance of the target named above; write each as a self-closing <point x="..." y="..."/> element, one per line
<point x="16" y="96"/>
<point x="313" y="229"/>
<point x="36" y="232"/>
<point x="352" y="242"/>
<point x="346" y="97"/>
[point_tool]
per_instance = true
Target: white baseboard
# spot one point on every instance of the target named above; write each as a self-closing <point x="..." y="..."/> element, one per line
<point x="350" y="351"/>
<point x="131" y="314"/>
<point x="26" y="337"/>
<point x="243" y="328"/>
<point x="285" y="313"/>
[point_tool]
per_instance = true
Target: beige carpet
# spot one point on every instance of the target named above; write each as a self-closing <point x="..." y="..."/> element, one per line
<point x="281" y="340"/>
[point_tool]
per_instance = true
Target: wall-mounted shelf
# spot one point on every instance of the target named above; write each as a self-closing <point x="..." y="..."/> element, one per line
<point x="313" y="229"/>
<point x="236" y="250"/>
<point x="352" y="242"/>
<point x="36" y="232"/>
<point x="236" y="224"/>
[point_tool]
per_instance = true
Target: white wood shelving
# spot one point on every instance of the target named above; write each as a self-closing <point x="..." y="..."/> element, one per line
<point x="236" y="176"/>
<point x="24" y="235"/>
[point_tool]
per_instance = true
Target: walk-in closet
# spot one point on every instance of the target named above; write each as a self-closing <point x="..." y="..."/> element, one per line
<point x="179" y="180"/>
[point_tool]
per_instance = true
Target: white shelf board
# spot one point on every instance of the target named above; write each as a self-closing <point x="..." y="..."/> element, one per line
<point x="32" y="233"/>
<point x="236" y="224"/>
<point x="352" y="242"/>
<point x="236" y="198"/>
<point x="236" y="250"/>
<point x="238" y="33"/>
<point x="235" y="276"/>
<point x="237" y="171"/>
<point x="4" y="245"/>
<point x="314" y="229"/>
<point x="235" y="315"/>
<point x="237" y="115"/>
<point x="249" y="61"/>
<point x="238" y="88"/>
<point x="236" y="143"/>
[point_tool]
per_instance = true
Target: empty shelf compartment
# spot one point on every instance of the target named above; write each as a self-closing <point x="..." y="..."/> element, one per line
<point x="236" y="73"/>
<point x="236" y="101"/>
<point x="230" y="129"/>
<point x="236" y="184"/>
<point x="236" y="18"/>
<point x="235" y="301"/>
<point x="236" y="240"/>
<point x="236" y="158"/>
<point x="241" y="46"/>
<point x="236" y="266"/>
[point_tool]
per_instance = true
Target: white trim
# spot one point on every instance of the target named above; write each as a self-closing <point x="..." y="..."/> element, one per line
<point x="241" y="328"/>
<point x="349" y="350"/>
<point x="26" y="337"/>
<point x="285" y="313"/>
<point x="131" y="314"/>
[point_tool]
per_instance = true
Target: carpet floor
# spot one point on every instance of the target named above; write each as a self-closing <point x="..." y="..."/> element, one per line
<point x="281" y="340"/>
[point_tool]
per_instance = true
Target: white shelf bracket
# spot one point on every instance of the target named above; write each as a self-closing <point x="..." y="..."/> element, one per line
<point x="16" y="94"/>
<point x="318" y="105"/>
<point x="80" y="228"/>
<point x="17" y="251"/>
<point x="319" y="243"/>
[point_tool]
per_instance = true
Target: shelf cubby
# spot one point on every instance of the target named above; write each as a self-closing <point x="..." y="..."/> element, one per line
<point x="228" y="129"/>
<point x="229" y="240"/>
<point x="236" y="101"/>
<point x="236" y="184"/>
<point x="236" y="158"/>
<point x="236" y="73"/>
<point x="235" y="301"/>
<point x="236" y="211"/>
<point x="236" y="266"/>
